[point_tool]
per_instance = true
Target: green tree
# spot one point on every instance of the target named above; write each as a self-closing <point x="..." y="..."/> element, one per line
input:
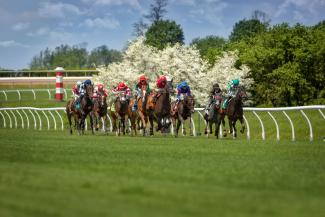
<point x="163" y="33"/>
<point x="103" y="56"/>
<point x="210" y="47"/>
<point x="287" y="65"/>
<point x="246" y="29"/>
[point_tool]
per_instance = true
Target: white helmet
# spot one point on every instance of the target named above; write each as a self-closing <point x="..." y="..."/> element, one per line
<point x="168" y="78"/>
<point x="79" y="83"/>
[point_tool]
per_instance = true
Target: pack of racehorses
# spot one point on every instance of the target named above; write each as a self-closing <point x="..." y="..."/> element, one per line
<point x="155" y="107"/>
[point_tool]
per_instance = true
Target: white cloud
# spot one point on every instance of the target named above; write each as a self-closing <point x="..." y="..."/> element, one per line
<point x="133" y="3"/>
<point x="209" y="10"/>
<point x="58" y="10"/>
<point x="106" y="22"/>
<point x="312" y="6"/>
<point x="20" y="26"/>
<point x="39" y="32"/>
<point x="12" y="43"/>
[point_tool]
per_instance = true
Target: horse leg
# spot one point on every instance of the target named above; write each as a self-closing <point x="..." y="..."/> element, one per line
<point x="69" y="119"/>
<point x="191" y="126"/>
<point x="178" y="125"/>
<point x="91" y="124"/>
<point x="183" y="125"/>
<point x="242" y="130"/>
<point x="234" y="127"/>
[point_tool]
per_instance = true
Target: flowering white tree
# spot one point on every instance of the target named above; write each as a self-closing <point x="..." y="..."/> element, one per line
<point x="180" y="62"/>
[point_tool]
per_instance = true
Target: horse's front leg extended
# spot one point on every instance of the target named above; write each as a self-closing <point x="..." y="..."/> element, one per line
<point x="91" y="124"/>
<point x="183" y="124"/>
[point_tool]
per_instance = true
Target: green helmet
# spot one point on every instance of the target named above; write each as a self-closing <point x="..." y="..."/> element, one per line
<point x="235" y="82"/>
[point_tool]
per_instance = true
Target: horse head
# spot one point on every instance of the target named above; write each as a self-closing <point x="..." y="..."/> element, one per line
<point x="122" y="97"/>
<point x="189" y="102"/>
<point x="241" y="94"/>
<point x="217" y="100"/>
<point x="144" y="92"/>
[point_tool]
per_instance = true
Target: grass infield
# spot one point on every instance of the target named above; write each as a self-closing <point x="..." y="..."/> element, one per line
<point x="50" y="173"/>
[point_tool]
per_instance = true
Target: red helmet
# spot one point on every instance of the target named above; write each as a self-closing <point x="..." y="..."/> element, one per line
<point x="142" y="78"/>
<point x="121" y="85"/>
<point x="100" y="86"/>
<point x="163" y="78"/>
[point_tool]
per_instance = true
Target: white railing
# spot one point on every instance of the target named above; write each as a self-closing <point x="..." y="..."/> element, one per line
<point x="29" y="116"/>
<point x="283" y="110"/>
<point x="18" y="94"/>
<point x="53" y="117"/>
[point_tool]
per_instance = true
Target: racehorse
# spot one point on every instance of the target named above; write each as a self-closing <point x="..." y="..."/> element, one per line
<point x="142" y="110"/>
<point x="86" y="106"/>
<point x="234" y="111"/>
<point x="214" y="116"/>
<point x="133" y="116"/>
<point x="100" y="112"/>
<point x="159" y="108"/>
<point x="119" y="113"/>
<point x="184" y="110"/>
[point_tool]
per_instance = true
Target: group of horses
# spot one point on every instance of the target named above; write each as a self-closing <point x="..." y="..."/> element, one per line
<point x="151" y="107"/>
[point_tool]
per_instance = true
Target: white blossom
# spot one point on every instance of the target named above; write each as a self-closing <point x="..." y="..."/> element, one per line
<point x="180" y="62"/>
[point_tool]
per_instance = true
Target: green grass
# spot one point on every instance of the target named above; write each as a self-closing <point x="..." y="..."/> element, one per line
<point x="50" y="173"/>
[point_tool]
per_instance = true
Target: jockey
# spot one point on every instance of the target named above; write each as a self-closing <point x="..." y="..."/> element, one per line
<point x="161" y="82"/>
<point x="232" y="87"/>
<point x="100" y="90"/>
<point x="122" y="87"/>
<point x="138" y="90"/>
<point x="160" y="85"/>
<point x="75" y="90"/>
<point x="213" y="92"/>
<point x="182" y="88"/>
<point x="82" y="90"/>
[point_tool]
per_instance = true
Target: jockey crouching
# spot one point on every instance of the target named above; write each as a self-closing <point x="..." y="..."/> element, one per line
<point x="182" y="88"/>
<point x="122" y="87"/>
<point x="213" y="92"/>
<point x="75" y="90"/>
<point x="99" y="90"/>
<point x="82" y="90"/>
<point x="160" y="86"/>
<point x="143" y="82"/>
<point x="232" y="87"/>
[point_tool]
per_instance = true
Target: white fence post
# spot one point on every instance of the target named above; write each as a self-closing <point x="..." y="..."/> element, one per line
<point x="4" y="120"/>
<point x="309" y="124"/>
<point x="276" y="125"/>
<point x="26" y="118"/>
<point x="19" y="96"/>
<point x="10" y="122"/>
<point x="291" y="124"/>
<point x="4" y="92"/>
<point x="15" y="118"/>
<point x="262" y="125"/>
<point x="35" y="123"/>
<point x="21" y="118"/>
<point x="248" y="129"/>
<point x="34" y="94"/>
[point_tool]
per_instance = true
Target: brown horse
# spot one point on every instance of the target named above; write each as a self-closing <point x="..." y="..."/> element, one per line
<point x="234" y="112"/>
<point x="100" y="112"/>
<point x="133" y="116"/>
<point x="214" y="116"/>
<point x="119" y="113"/>
<point x="86" y="106"/>
<point x="184" y="111"/>
<point x="158" y="107"/>
<point x="142" y="110"/>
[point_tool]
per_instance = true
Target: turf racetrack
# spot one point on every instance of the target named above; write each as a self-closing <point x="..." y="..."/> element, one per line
<point x="50" y="173"/>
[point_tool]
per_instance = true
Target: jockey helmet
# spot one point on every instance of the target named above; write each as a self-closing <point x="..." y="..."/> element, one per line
<point x="163" y="78"/>
<point x="79" y="83"/>
<point x="142" y="78"/>
<point x="87" y="82"/>
<point x="168" y="78"/>
<point x="100" y="86"/>
<point x="121" y="85"/>
<point x="235" y="82"/>
<point x="215" y="86"/>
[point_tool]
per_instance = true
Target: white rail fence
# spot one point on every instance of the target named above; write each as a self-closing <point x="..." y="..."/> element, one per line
<point x="29" y="117"/>
<point x="17" y="95"/>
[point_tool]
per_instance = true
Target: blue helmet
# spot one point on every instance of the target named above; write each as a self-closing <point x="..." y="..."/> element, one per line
<point x="87" y="82"/>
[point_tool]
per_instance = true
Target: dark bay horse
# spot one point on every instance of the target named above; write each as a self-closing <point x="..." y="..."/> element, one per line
<point x="142" y="110"/>
<point x="100" y="112"/>
<point x="214" y="116"/>
<point x="119" y="113"/>
<point x="159" y="108"/>
<point x="86" y="106"/>
<point x="184" y="111"/>
<point x="234" y="111"/>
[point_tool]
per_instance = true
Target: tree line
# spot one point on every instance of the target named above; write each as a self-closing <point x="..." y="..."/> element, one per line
<point x="74" y="57"/>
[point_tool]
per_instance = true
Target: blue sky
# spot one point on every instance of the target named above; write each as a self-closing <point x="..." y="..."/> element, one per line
<point x="28" y="26"/>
